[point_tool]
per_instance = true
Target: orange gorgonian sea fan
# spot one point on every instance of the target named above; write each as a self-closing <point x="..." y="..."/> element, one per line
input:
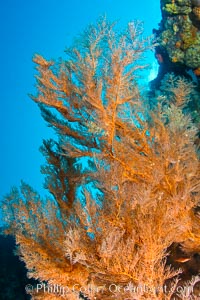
<point x="123" y="181"/>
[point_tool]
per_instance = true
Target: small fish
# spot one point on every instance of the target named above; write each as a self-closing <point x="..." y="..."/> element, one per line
<point x="183" y="259"/>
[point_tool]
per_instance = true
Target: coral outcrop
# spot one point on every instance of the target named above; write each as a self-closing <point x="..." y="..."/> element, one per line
<point x="179" y="32"/>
